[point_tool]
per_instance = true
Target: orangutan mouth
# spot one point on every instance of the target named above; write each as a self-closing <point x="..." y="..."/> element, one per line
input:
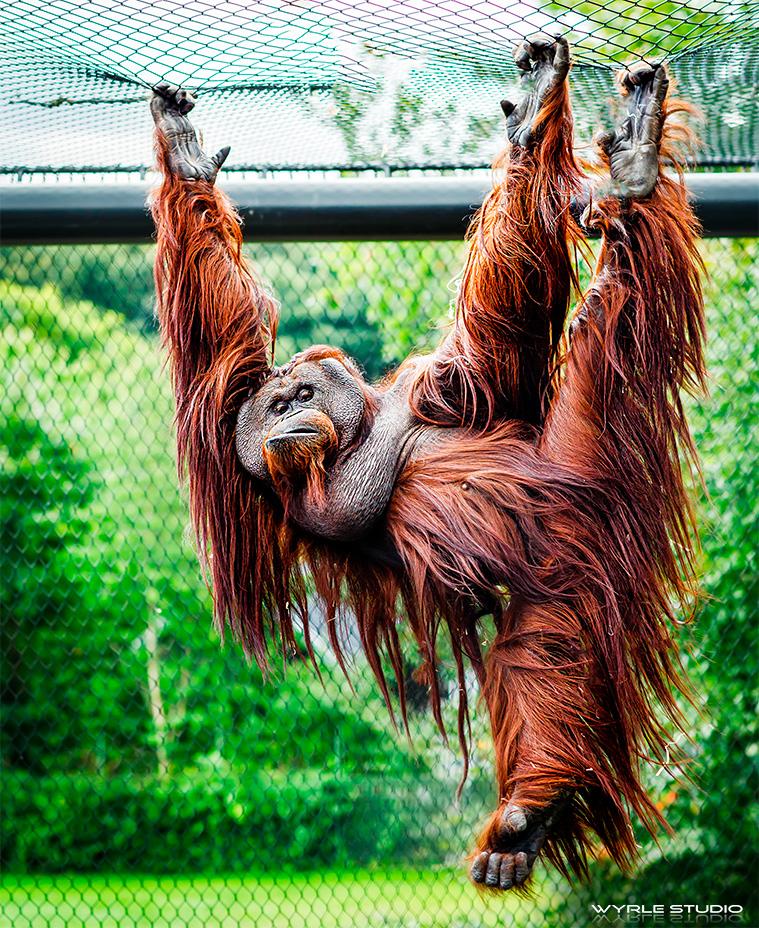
<point x="303" y="431"/>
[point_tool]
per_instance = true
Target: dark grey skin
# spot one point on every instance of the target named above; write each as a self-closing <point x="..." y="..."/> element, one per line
<point x="544" y="63"/>
<point x="170" y="106"/>
<point x="633" y="148"/>
<point x="363" y="468"/>
<point x="361" y="478"/>
<point x="523" y="834"/>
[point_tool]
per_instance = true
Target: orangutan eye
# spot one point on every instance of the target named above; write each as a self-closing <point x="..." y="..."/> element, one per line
<point x="280" y="407"/>
<point x="305" y="394"/>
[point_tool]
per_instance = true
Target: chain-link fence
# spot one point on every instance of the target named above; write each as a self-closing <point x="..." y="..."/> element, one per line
<point x="151" y="777"/>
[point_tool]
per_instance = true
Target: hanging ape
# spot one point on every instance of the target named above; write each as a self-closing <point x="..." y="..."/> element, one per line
<point x="508" y="474"/>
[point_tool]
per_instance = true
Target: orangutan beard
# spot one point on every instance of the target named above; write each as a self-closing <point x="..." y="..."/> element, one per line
<point x="298" y="467"/>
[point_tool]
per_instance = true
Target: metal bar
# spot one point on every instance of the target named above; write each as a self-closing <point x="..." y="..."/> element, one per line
<point x="353" y="168"/>
<point x="320" y="210"/>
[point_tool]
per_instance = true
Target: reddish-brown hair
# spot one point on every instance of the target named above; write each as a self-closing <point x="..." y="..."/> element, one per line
<point x="582" y="514"/>
<point x="219" y="325"/>
<point x="514" y="295"/>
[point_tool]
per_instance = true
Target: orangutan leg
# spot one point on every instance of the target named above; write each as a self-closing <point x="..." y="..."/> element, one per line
<point x="569" y="681"/>
<point x="533" y="685"/>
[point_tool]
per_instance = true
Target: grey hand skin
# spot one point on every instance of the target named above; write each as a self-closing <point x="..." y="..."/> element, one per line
<point x="633" y="148"/>
<point x="544" y="64"/>
<point x="170" y="106"/>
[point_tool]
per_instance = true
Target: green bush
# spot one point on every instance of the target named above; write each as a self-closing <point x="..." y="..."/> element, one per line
<point x="193" y="823"/>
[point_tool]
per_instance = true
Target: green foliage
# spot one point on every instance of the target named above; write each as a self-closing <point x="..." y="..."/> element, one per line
<point x="116" y="277"/>
<point x="132" y="741"/>
<point x="42" y="487"/>
<point x="199" y="823"/>
<point x="659" y="28"/>
<point x="355" y="295"/>
<point x="378" y="301"/>
<point x="117" y="700"/>
<point x="50" y="507"/>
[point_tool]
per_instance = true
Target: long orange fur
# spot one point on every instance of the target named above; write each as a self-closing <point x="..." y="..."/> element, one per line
<point x="566" y="487"/>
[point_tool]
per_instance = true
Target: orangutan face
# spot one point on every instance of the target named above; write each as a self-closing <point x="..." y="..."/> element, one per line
<point x="297" y="424"/>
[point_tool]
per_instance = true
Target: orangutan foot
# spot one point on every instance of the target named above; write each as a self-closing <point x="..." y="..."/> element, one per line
<point x="633" y="149"/>
<point x="511" y="844"/>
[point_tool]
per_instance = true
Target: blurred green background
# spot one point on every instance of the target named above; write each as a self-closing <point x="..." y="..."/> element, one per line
<point x="150" y="776"/>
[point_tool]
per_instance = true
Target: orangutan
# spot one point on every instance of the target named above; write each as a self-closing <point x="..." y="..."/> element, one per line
<point x="526" y="472"/>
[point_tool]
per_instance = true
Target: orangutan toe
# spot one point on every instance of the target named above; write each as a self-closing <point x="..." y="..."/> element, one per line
<point x="522" y="867"/>
<point x="514" y="843"/>
<point x="508" y="865"/>
<point x="502" y="870"/>
<point x="493" y="870"/>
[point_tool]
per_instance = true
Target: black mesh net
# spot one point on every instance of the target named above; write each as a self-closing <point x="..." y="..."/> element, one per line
<point x="384" y="84"/>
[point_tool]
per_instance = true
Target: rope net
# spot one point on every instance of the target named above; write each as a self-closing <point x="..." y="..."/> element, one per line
<point x="375" y="84"/>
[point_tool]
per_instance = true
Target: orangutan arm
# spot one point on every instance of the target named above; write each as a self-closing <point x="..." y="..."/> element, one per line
<point x="515" y="290"/>
<point x="216" y="320"/>
<point x="218" y="325"/>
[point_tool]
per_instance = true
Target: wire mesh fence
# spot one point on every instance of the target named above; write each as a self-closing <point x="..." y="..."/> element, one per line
<point x="387" y="84"/>
<point x="150" y="777"/>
